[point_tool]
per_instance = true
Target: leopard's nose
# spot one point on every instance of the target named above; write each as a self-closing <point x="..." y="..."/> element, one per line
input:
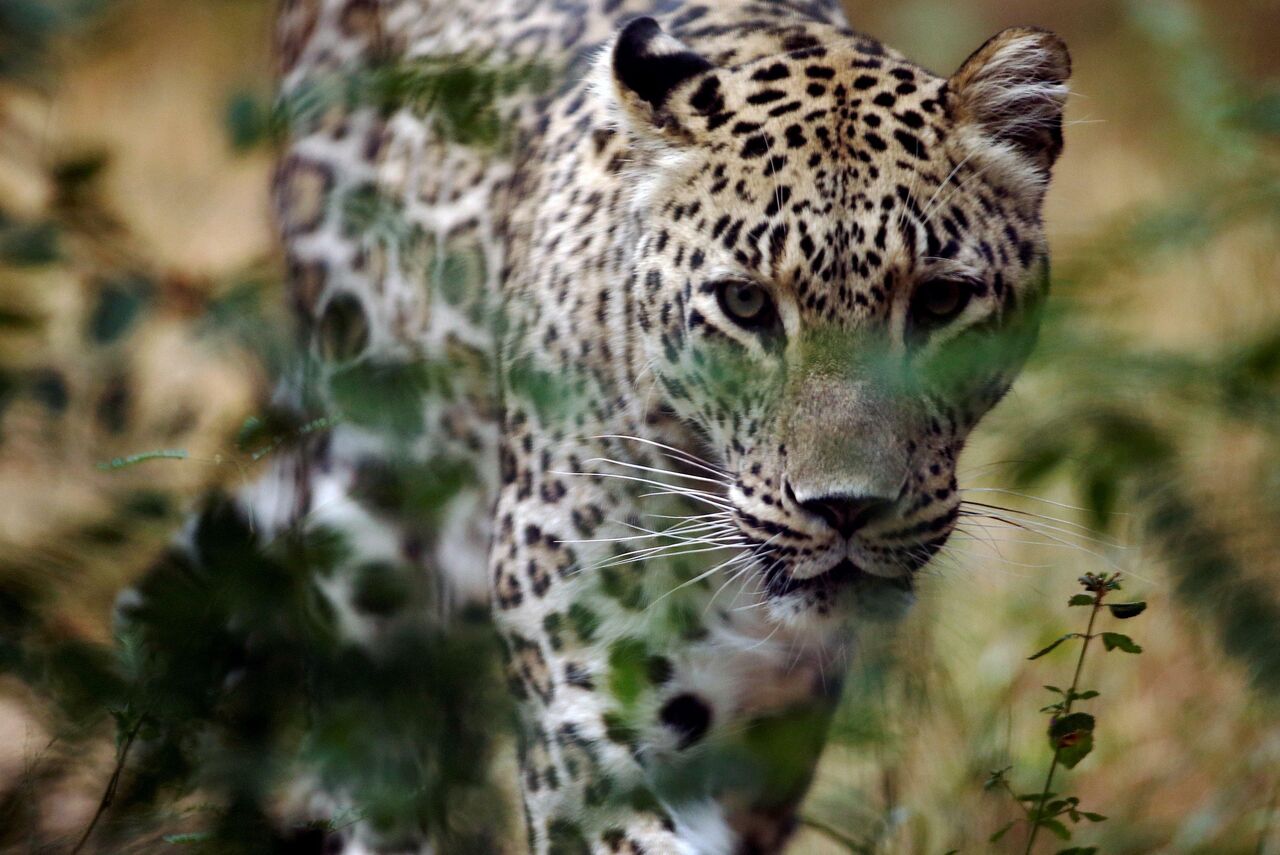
<point x="847" y="513"/>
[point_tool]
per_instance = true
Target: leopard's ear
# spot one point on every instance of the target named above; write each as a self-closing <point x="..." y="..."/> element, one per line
<point x="645" y="66"/>
<point x="1007" y="102"/>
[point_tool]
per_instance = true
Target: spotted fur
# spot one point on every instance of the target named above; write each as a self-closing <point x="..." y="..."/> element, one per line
<point x="584" y="275"/>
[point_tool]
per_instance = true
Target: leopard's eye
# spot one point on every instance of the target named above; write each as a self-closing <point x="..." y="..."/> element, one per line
<point x="938" y="301"/>
<point x="746" y="303"/>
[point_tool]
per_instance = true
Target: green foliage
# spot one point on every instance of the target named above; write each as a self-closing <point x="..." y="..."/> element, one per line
<point x="248" y="121"/>
<point x="28" y="244"/>
<point x="628" y="670"/>
<point x="463" y="95"/>
<point x="142" y="457"/>
<point x="1138" y="451"/>
<point x="1071" y="736"/>
<point x="1054" y="645"/>
<point x="233" y="671"/>
<point x="235" y="676"/>
<point x="1117" y="641"/>
<point x="28" y="29"/>
<point x="1070" y="732"/>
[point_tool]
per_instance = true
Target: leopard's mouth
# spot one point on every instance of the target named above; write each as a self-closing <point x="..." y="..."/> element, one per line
<point x="841" y="575"/>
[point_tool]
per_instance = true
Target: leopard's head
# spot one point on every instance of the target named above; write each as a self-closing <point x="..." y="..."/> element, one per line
<point x="839" y="261"/>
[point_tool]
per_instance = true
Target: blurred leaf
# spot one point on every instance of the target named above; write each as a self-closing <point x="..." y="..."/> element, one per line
<point x="1042" y="455"/>
<point x="1124" y="611"/>
<point x="149" y="504"/>
<point x="628" y="660"/>
<point x="248" y="121"/>
<point x="50" y="389"/>
<point x="76" y="180"/>
<point x="188" y="839"/>
<point x="29" y="245"/>
<point x="1002" y="831"/>
<point x="1071" y="736"/>
<point x="78" y="171"/>
<point x="238" y="309"/>
<point x="1114" y="641"/>
<point x="1260" y="114"/>
<point x="997" y="778"/>
<point x="1209" y="578"/>
<point x="1080" y="600"/>
<point x="1051" y="647"/>
<point x="12" y="320"/>
<point x="118" y="307"/>
<point x="1100" y="490"/>
<point x="142" y="457"/>
<point x="1053" y="825"/>
<point x="388" y="396"/>
<point x="26" y="29"/>
<point x="381" y="589"/>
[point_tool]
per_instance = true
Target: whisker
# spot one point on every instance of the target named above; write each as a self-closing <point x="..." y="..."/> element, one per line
<point x="757" y="554"/>
<point x="1001" y="558"/>
<point x="680" y="517"/>
<point x="1058" y="540"/>
<point x="723" y="505"/>
<point x="669" y="532"/>
<point x="676" y="487"/>
<point x="668" y="489"/>
<point x="703" y="575"/>
<point x="672" y="551"/>
<point x="652" y="551"/>
<point x="963" y="527"/>
<point x="658" y="471"/>
<point x="929" y="206"/>
<point x="1068" y="530"/>
<point x="686" y="456"/>
<point x="705" y="531"/>
<point x="1034" y="499"/>
<point x="973" y="471"/>
<point x="766" y="639"/>
<point x="1084" y="529"/>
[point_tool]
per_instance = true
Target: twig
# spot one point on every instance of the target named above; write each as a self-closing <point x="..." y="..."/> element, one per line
<point x="1066" y="710"/>
<point x="108" y="795"/>
<point x="835" y="834"/>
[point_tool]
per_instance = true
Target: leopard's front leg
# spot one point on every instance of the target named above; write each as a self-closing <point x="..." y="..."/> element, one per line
<point x="651" y="707"/>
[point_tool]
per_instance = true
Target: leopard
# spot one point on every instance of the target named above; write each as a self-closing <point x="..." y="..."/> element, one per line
<point x="716" y="320"/>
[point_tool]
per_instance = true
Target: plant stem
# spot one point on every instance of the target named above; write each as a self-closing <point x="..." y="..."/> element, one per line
<point x="835" y="834"/>
<point x="109" y="794"/>
<point x="1009" y="789"/>
<point x="1066" y="710"/>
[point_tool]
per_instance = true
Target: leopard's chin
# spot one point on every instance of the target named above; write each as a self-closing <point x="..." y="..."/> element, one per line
<point x="845" y="591"/>
<point x="845" y="572"/>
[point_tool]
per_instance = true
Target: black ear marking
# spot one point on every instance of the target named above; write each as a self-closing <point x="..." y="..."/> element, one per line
<point x="651" y="63"/>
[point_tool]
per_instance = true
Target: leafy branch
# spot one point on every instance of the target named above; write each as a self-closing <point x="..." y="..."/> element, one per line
<point x="1070" y="732"/>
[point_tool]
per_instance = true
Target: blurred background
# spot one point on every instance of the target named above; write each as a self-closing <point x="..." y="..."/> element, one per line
<point x="140" y="301"/>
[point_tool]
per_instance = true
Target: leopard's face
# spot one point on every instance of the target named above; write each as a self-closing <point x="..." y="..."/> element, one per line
<point x="840" y="259"/>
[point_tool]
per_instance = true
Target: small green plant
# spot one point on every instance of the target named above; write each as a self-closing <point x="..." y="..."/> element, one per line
<point x="1070" y="731"/>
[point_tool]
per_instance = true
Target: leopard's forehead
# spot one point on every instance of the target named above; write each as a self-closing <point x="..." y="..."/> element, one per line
<point x="827" y="173"/>
<point x="856" y="107"/>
